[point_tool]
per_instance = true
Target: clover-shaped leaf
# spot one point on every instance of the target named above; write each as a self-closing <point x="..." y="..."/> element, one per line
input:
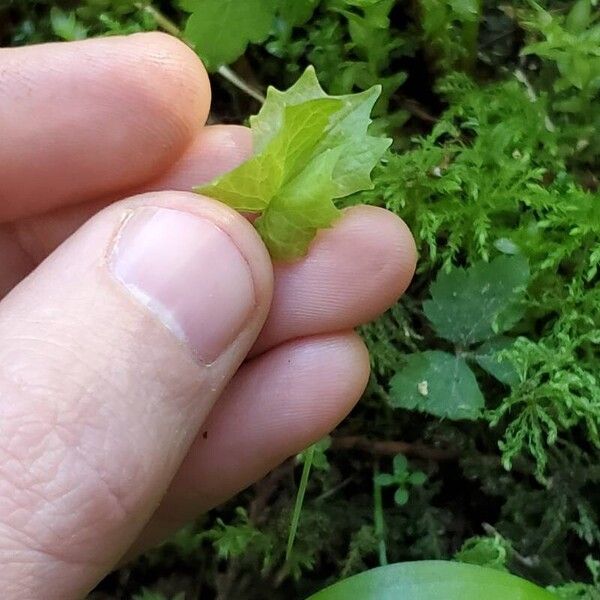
<point x="402" y="478"/>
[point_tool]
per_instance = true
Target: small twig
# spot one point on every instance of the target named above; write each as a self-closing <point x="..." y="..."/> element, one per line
<point x="229" y="74"/>
<point x="334" y="490"/>
<point x="415" y="109"/>
<point x="392" y="447"/>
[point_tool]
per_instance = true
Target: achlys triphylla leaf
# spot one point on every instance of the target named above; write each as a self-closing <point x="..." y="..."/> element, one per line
<point x="467" y="307"/>
<point x="310" y="148"/>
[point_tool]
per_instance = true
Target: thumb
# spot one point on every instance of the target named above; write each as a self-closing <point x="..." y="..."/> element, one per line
<point x="111" y="355"/>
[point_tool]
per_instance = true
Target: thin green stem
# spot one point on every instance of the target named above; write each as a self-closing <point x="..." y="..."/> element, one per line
<point x="161" y="20"/>
<point x="470" y="38"/>
<point x="308" y="459"/>
<point x="378" y="517"/>
<point x="239" y="83"/>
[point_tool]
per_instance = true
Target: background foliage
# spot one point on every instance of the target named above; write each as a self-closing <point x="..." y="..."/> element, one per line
<point x="479" y="435"/>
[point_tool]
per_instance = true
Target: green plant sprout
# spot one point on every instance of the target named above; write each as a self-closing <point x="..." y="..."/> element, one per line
<point x="401" y="478"/>
<point x="310" y="148"/>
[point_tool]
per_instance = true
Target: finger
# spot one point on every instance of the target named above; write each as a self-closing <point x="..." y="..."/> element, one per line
<point x="28" y="241"/>
<point x="84" y="119"/>
<point x="216" y="150"/>
<point x="353" y="272"/>
<point x="111" y="355"/>
<point x="276" y="405"/>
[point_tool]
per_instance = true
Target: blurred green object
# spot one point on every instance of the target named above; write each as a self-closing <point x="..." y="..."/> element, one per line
<point x="433" y="580"/>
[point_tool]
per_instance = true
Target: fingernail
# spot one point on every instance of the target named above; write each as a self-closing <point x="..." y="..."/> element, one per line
<point x="189" y="273"/>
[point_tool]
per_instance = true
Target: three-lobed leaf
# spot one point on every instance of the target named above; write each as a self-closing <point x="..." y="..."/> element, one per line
<point x="467" y="307"/>
<point x="401" y="477"/>
<point x="310" y="148"/>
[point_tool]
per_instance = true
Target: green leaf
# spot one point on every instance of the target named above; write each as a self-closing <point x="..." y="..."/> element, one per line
<point x="401" y="496"/>
<point x="297" y="12"/>
<point x="579" y="17"/>
<point x="232" y="540"/>
<point x="310" y="149"/>
<point x="385" y="479"/>
<point x="65" y="25"/>
<point x="319" y="454"/>
<point x="465" y="9"/>
<point x="472" y="305"/>
<point x="400" y="464"/>
<point x="492" y="552"/>
<point x="433" y="580"/>
<point x="487" y="357"/>
<point x="437" y="383"/>
<point x="220" y="30"/>
<point x="417" y="478"/>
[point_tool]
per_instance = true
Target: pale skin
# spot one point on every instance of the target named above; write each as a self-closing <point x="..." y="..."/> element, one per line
<point x="125" y="414"/>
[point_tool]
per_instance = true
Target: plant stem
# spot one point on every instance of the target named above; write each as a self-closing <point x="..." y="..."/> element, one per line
<point x="392" y="447"/>
<point x="161" y="20"/>
<point x="231" y="76"/>
<point x="299" y="500"/>
<point x="224" y="71"/>
<point x="378" y="517"/>
<point x="470" y="38"/>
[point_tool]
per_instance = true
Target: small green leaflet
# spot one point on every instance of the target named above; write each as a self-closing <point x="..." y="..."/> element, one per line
<point x="469" y="306"/>
<point x="438" y="383"/>
<point x="489" y="357"/>
<point x="310" y="148"/>
<point x="220" y="30"/>
<point x="296" y="12"/>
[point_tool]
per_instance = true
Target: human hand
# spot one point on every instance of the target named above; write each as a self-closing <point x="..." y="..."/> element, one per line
<point x="152" y="360"/>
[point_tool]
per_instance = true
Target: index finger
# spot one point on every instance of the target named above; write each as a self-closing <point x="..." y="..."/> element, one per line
<point x="80" y="120"/>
